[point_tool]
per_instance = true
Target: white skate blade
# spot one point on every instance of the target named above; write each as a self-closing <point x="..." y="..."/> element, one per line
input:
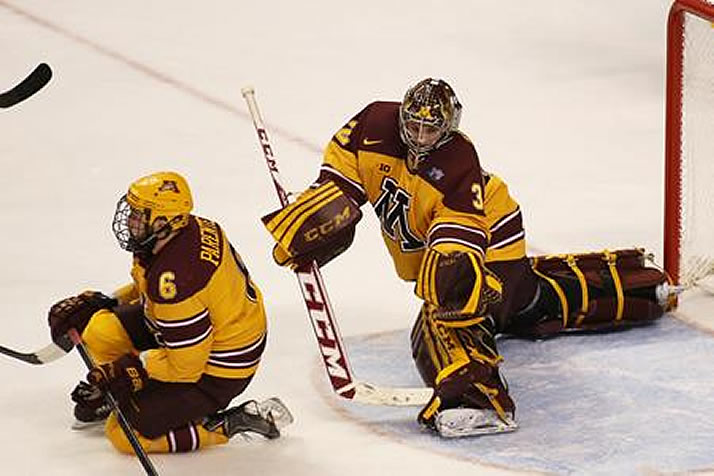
<point x="460" y="422"/>
<point x="84" y="425"/>
<point x="276" y="408"/>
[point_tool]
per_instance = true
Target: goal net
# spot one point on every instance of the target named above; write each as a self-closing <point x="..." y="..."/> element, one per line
<point x="689" y="188"/>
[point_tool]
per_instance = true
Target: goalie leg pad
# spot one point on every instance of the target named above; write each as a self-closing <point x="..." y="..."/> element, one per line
<point x="593" y="292"/>
<point x="461" y="364"/>
<point x="318" y="226"/>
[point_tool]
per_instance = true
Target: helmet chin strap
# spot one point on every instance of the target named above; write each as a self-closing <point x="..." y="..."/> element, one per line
<point x="146" y="246"/>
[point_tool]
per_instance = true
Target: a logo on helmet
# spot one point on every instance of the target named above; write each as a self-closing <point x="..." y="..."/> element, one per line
<point x="424" y="113"/>
<point x="169" y="186"/>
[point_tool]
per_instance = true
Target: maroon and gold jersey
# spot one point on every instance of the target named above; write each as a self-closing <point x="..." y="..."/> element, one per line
<point x="451" y="204"/>
<point x="199" y="301"/>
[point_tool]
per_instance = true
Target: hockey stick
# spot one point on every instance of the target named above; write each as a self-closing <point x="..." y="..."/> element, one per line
<point x="123" y="422"/>
<point x="320" y="311"/>
<point x="47" y="354"/>
<point x="40" y="76"/>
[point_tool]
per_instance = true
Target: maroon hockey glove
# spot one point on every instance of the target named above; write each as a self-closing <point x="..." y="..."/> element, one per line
<point x="123" y="377"/>
<point x="75" y="312"/>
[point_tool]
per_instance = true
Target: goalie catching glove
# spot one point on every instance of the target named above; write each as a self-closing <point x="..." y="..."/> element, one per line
<point x="318" y="226"/>
<point x="75" y="312"/>
<point x="457" y="284"/>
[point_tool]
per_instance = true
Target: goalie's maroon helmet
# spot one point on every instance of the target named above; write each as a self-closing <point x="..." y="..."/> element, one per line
<point x="428" y="116"/>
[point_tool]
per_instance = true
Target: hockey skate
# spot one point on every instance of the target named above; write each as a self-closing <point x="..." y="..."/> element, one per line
<point x="460" y="422"/>
<point x="264" y="418"/>
<point x="91" y="408"/>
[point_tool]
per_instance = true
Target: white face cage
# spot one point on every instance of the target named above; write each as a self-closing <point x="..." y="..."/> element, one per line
<point x="428" y="115"/>
<point x="131" y="228"/>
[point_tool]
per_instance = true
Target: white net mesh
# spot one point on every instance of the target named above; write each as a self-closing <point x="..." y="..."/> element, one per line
<point x="697" y="160"/>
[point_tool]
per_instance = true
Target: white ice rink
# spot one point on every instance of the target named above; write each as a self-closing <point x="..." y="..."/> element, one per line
<point x="563" y="98"/>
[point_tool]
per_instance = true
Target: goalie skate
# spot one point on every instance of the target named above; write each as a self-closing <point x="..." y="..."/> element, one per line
<point x="460" y="422"/>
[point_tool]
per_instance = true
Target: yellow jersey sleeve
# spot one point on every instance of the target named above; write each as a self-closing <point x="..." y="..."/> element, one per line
<point x="505" y="223"/>
<point x="341" y="161"/>
<point x="186" y="332"/>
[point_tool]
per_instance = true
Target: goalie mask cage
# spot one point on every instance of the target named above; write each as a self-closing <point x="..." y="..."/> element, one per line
<point x="689" y="142"/>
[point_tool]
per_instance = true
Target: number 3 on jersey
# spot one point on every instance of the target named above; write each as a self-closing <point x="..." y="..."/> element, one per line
<point x="477" y="200"/>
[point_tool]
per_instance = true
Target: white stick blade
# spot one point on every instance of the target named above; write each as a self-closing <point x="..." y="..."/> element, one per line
<point x="391" y="396"/>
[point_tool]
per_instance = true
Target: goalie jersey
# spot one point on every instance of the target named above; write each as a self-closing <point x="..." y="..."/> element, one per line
<point x="202" y="307"/>
<point x="450" y="204"/>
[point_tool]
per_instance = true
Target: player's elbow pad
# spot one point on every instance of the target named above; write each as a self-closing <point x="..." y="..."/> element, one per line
<point x="318" y="226"/>
<point x="457" y="284"/>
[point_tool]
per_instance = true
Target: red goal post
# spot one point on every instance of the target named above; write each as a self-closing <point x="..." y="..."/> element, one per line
<point x="689" y="142"/>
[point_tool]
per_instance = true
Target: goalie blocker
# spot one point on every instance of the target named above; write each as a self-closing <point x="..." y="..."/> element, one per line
<point x="318" y="226"/>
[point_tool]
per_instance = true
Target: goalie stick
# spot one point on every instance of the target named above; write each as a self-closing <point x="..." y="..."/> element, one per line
<point x="40" y="76"/>
<point x="123" y="422"/>
<point x="320" y="311"/>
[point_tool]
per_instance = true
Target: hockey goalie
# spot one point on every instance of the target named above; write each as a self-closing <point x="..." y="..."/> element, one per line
<point x="456" y="232"/>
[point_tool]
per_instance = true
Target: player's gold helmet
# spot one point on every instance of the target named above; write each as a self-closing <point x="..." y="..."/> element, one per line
<point x="152" y="208"/>
<point x="428" y="116"/>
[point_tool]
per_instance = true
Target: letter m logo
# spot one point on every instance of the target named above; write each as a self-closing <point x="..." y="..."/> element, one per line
<point x="391" y="207"/>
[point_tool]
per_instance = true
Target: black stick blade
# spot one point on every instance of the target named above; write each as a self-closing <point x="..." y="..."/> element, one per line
<point x="40" y="76"/>
<point x="30" y="358"/>
<point x="47" y="354"/>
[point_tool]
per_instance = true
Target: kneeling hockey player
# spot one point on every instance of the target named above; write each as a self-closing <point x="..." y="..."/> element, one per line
<point x="193" y="307"/>
<point x="454" y="230"/>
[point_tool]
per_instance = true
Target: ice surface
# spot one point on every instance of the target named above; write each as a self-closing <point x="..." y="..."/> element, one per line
<point x="613" y="403"/>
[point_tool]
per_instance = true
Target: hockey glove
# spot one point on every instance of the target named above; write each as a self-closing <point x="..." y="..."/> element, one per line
<point x="457" y="283"/>
<point x="75" y="312"/>
<point x="318" y="226"/>
<point x="122" y="378"/>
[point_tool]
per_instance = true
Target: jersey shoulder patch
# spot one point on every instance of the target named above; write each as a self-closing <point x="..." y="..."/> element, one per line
<point x="187" y="262"/>
<point x="455" y="170"/>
